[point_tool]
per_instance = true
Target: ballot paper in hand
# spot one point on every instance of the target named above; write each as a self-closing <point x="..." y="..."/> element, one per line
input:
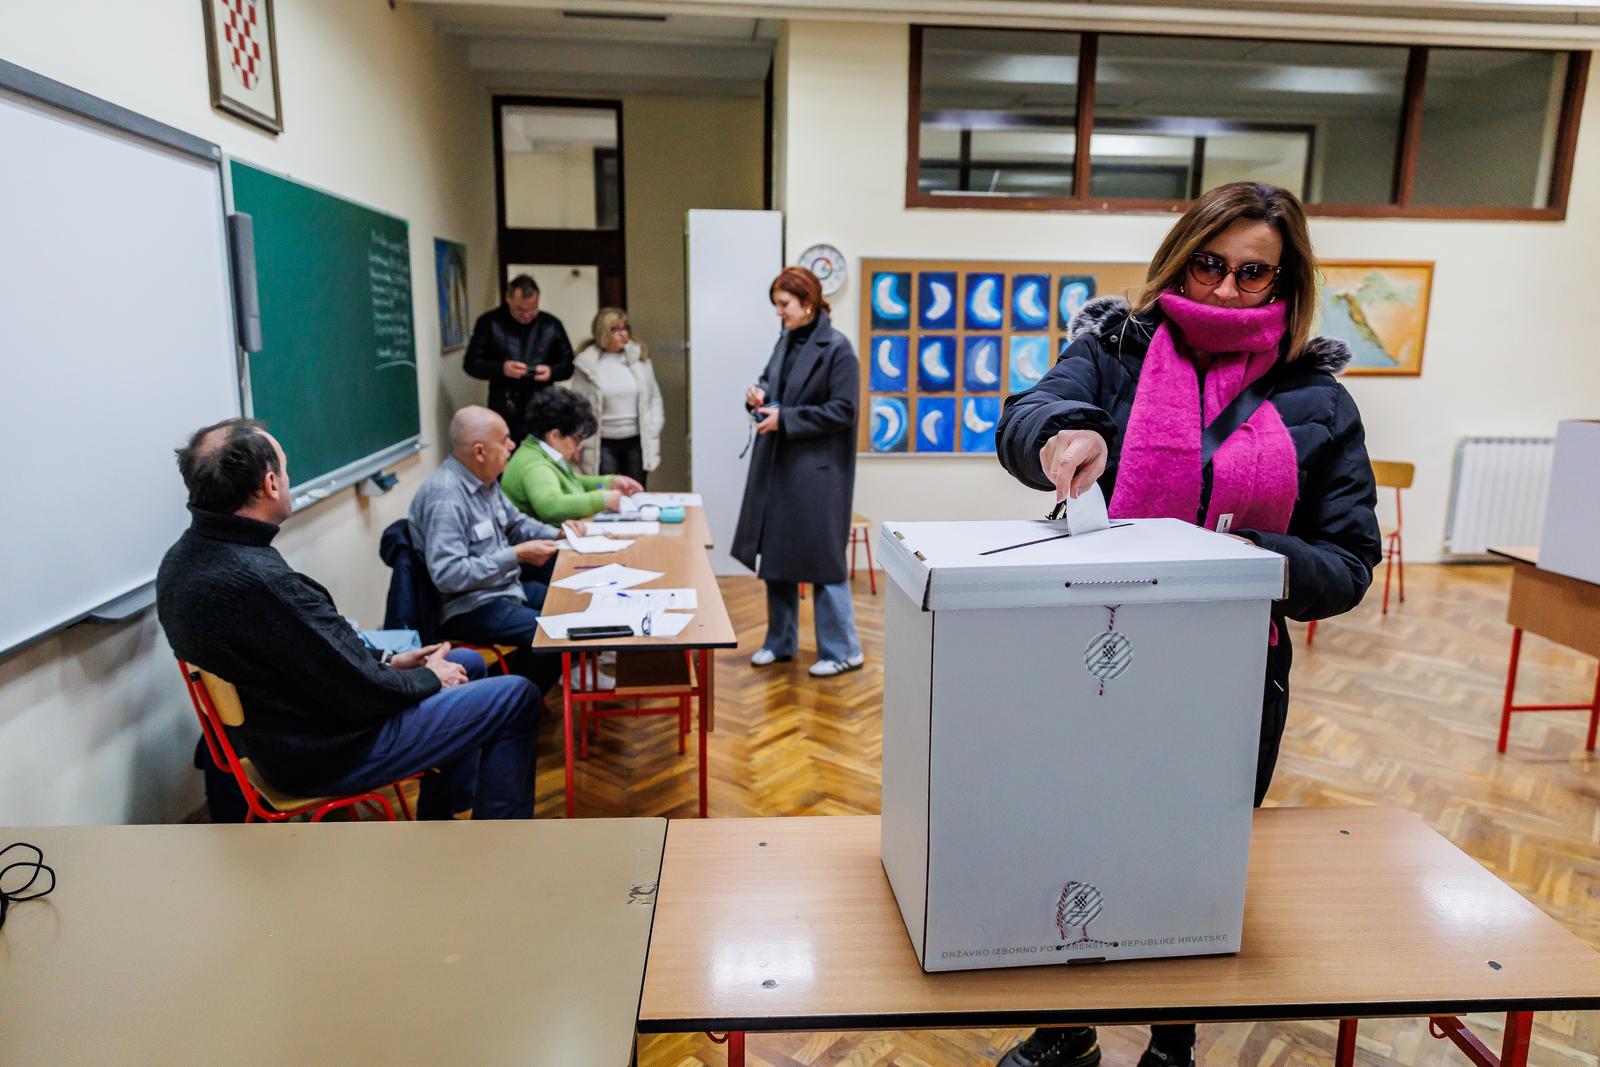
<point x="612" y="575"/>
<point x="1087" y="513"/>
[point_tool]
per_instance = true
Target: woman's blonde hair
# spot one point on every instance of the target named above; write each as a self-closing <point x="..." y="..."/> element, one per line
<point x="606" y="318"/>
<point x="1214" y="212"/>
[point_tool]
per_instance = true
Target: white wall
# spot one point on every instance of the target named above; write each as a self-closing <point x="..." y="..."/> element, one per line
<point x="94" y="726"/>
<point x="1508" y="348"/>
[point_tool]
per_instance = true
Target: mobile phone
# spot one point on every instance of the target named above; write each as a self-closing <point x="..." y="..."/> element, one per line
<point x="592" y="633"/>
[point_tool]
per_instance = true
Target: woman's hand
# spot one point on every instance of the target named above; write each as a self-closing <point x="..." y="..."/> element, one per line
<point x="768" y="424"/>
<point x="625" y="485"/>
<point x="1073" y="460"/>
<point x="613" y="499"/>
<point x="755" y="396"/>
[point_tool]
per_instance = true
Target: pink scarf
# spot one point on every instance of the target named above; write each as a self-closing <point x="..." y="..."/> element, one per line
<point x="1255" y="472"/>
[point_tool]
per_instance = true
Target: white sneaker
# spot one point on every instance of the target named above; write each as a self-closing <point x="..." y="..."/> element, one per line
<point x="765" y="657"/>
<point x="577" y="681"/>
<point x="827" y="668"/>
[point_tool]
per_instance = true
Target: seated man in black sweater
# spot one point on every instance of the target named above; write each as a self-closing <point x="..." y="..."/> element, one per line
<point x="325" y="715"/>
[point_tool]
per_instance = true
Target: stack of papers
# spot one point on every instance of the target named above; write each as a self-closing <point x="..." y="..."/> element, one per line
<point x="614" y="600"/>
<point x="591" y="545"/>
<point x="604" y="599"/>
<point x="627" y="527"/>
<point x="661" y="500"/>
<point x="643" y="623"/>
<point x="612" y="575"/>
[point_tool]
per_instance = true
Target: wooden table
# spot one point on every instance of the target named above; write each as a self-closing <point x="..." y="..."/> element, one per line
<point x="393" y="943"/>
<point x="690" y="675"/>
<point x="1558" y="608"/>
<point x="695" y="528"/>
<point x="790" y="924"/>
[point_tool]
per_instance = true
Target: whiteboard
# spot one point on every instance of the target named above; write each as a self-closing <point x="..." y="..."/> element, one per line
<point x="116" y="342"/>
<point x="733" y="257"/>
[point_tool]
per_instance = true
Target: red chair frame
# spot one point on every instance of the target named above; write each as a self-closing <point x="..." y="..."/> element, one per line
<point x="257" y="806"/>
<point x="581" y="695"/>
<point x="862" y="535"/>
<point x="1392" y="555"/>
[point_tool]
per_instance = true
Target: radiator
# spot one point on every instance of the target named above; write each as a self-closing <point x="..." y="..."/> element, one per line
<point x="1497" y="493"/>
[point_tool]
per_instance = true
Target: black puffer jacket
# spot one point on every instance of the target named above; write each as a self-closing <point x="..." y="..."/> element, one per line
<point x="1332" y="544"/>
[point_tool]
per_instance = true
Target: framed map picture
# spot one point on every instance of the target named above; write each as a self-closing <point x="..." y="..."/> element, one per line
<point x="1380" y="309"/>
<point x="242" y="60"/>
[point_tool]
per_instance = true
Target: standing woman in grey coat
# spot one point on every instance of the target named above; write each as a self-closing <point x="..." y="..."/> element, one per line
<point x="795" y="521"/>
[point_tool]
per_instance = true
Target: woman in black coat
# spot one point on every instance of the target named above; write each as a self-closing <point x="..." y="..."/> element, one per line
<point x="795" y="521"/>
<point x="1226" y="309"/>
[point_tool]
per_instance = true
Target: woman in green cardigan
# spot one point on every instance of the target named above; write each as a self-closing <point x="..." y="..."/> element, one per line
<point x="541" y="479"/>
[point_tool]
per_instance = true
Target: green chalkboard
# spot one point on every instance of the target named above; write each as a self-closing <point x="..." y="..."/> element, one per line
<point x="336" y="378"/>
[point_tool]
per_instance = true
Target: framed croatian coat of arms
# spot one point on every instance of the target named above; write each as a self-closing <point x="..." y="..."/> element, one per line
<point x="242" y="54"/>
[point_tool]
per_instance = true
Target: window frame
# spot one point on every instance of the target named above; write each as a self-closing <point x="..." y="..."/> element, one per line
<point x="1400" y="206"/>
<point x="605" y="250"/>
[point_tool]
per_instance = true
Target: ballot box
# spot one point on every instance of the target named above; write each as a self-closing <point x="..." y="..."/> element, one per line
<point x="1070" y="728"/>
<point x="1570" y="542"/>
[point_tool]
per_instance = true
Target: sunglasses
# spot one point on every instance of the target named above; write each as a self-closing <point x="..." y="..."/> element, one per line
<point x="1207" y="269"/>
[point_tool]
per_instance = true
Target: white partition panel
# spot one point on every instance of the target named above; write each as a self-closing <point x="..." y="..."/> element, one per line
<point x="733" y="257"/>
<point x="116" y="341"/>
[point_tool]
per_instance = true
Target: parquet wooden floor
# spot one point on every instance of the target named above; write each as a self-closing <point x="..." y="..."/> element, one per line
<point x="1398" y="709"/>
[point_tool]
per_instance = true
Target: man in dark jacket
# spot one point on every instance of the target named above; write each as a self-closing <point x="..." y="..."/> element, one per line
<point x="324" y="715"/>
<point x="518" y="350"/>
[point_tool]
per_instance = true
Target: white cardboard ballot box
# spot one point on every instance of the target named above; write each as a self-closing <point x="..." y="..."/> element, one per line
<point x="1570" y="541"/>
<point x="1069" y="738"/>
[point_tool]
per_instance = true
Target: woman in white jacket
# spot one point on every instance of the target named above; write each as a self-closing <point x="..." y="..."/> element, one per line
<point x="613" y="373"/>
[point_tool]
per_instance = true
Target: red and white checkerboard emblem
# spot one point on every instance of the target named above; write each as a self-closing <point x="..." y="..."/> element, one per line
<point x="240" y="34"/>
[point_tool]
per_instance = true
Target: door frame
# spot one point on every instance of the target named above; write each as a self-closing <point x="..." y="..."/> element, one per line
<point x="605" y="250"/>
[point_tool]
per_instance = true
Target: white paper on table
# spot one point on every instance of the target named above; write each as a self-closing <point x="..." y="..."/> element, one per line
<point x="662" y="624"/>
<point x="614" y="575"/>
<point x="668" y="623"/>
<point x="626" y="527"/>
<point x="589" y="546"/>
<point x="608" y="597"/>
<point x="663" y="500"/>
<point x="1087" y="514"/>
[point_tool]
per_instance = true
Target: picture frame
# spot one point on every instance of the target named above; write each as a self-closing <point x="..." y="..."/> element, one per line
<point x="242" y="61"/>
<point x="455" y="313"/>
<point x="1380" y="309"/>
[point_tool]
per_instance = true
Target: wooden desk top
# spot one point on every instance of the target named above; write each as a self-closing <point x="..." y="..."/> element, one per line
<point x="695" y="528"/>
<point x="685" y="566"/>
<point x="1517" y="553"/>
<point x="492" y="942"/>
<point x="790" y="924"/>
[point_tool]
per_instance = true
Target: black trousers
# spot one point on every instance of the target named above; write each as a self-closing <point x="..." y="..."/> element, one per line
<point x="623" y="455"/>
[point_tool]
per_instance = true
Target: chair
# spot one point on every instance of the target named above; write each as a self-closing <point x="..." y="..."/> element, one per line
<point x="642" y="674"/>
<point x="861" y="534"/>
<point x="216" y="703"/>
<point x="1397" y="476"/>
<point x="413" y="602"/>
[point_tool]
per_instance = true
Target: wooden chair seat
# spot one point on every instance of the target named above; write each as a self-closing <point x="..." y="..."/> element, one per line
<point x="277" y="797"/>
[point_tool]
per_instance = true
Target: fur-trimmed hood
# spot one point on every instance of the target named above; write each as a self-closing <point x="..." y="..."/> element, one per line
<point x="1099" y="316"/>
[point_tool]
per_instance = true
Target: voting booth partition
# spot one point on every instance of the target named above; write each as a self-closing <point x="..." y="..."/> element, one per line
<point x="1570" y="541"/>
<point x="1070" y="735"/>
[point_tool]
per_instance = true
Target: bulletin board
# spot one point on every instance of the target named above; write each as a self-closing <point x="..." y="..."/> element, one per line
<point x="945" y="341"/>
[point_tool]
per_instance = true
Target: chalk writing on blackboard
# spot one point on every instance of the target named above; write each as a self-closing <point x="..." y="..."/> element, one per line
<point x="389" y="275"/>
